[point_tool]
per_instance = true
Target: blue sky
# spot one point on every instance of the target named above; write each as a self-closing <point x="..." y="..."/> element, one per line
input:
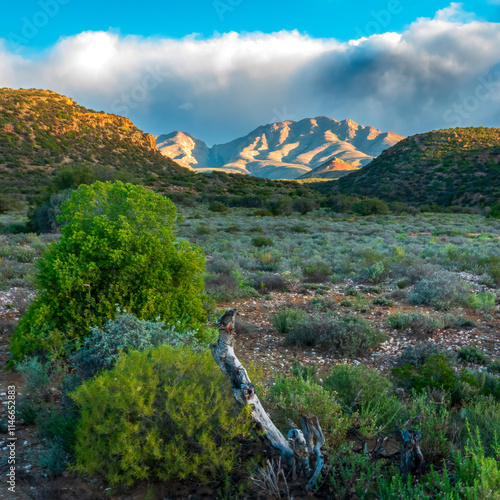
<point x="340" y="19"/>
<point x="220" y="68"/>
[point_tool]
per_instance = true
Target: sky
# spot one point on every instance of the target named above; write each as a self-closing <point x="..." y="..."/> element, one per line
<point x="218" y="69"/>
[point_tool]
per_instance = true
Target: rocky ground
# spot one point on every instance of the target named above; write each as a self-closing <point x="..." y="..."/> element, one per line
<point x="258" y="342"/>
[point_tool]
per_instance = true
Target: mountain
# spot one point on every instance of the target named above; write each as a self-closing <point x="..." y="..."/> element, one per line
<point x="332" y="169"/>
<point x="283" y="150"/>
<point x="42" y="132"/>
<point x="449" y="167"/>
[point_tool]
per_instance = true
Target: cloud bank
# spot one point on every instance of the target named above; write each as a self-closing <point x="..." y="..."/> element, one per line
<point x="441" y="72"/>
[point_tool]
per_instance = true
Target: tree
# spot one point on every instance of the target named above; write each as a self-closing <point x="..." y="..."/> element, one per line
<point x="117" y="251"/>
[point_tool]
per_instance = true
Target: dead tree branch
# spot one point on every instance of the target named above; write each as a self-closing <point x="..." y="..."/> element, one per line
<point x="301" y="447"/>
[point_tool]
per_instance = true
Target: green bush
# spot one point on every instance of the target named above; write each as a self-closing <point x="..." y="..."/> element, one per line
<point x="317" y="271"/>
<point x="292" y="397"/>
<point x="117" y="249"/>
<point x="474" y="476"/>
<point x="472" y="354"/>
<point x="299" y="228"/>
<point x="437" y="373"/>
<point x="123" y="334"/>
<point x="443" y="290"/>
<point x="370" y="206"/>
<point x="364" y="390"/>
<point x="53" y="459"/>
<point x="383" y="301"/>
<point x="347" y="336"/>
<point x="483" y="414"/>
<point x="161" y="414"/>
<point x="418" y="323"/>
<point x="485" y="302"/>
<point x="262" y="241"/>
<point x="285" y="319"/>
<point x="218" y="206"/>
<point x="421" y="352"/>
<point x="494" y="366"/>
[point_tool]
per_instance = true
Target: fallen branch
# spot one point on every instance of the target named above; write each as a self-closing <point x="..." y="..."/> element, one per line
<point x="301" y="447"/>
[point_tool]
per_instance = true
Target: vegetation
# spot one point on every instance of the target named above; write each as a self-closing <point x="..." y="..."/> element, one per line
<point x="444" y="168"/>
<point x="112" y="338"/>
<point x="159" y="414"/>
<point x="116" y="250"/>
<point x="43" y="133"/>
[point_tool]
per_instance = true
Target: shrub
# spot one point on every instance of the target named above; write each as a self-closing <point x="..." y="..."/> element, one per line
<point x="437" y="373"/>
<point x="375" y="273"/>
<point x="292" y="397"/>
<point x="418" y="323"/>
<point x="443" y="290"/>
<point x="383" y="301"/>
<point x="418" y="355"/>
<point x="285" y="319"/>
<point x="269" y="261"/>
<point x="53" y="459"/>
<point x="161" y="414"/>
<point x="117" y="249"/>
<point x="317" y="271"/>
<point x="472" y="354"/>
<point x="263" y="212"/>
<point x="433" y="419"/>
<point x="483" y="414"/>
<point x="370" y="206"/>
<point x="45" y="218"/>
<point x="218" y="206"/>
<point x="124" y="334"/>
<point x="269" y="282"/>
<point x="262" y="241"/>
<point x="348" y="335"/>
<point x="299" y="228"/>
<point x="364" y="390"/>
<point x="494" y="366"/>
<point x="485" y="302"/>
<point x="434" y="373"/>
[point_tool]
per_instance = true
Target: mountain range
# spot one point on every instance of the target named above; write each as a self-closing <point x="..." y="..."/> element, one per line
<point x="284" y="150"/>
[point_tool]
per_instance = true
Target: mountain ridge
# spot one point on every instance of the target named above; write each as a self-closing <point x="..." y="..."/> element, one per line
<point x="448" y="167"/>
<point x="281" y="150"/>
<point x="42" y="132"/>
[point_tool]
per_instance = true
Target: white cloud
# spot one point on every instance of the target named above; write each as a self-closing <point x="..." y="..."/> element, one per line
<point x="223" y="87"/>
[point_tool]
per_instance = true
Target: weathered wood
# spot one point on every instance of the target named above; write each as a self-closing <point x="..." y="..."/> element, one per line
<point x="301" y="446"/>
<point x="244" y="390"/>
<point x="311" y="429"/>
<point x="412" y="459"/>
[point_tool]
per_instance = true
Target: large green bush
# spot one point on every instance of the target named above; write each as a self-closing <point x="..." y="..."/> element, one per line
<point x="116" y="250"/>
<point x="160" y="414"/>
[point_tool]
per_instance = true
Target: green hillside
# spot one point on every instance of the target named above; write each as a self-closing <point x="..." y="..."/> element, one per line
<point x="41" y="132"/>
<point x="453" y="167"/>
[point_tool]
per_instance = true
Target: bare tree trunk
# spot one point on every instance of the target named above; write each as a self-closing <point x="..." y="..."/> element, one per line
<point x="299" y="449"/>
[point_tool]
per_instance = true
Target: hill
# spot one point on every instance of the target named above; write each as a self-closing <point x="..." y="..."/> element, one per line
<point x="332" y="169"/>
<point x="284" y="150"/>
<point x="452" y="167"/>
<point x="42" y="131"/>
